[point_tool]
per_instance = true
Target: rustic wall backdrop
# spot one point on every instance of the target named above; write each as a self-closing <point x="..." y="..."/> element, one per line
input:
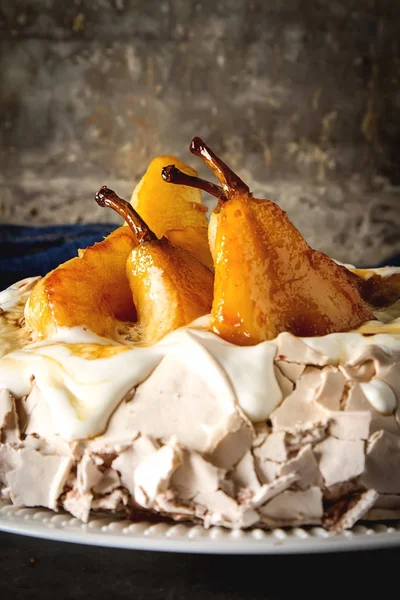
<point x="302" y="97"/>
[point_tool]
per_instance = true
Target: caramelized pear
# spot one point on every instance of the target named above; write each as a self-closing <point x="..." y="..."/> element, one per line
<point x="170" y="288"/>
<point x="91" y="290"/>
<point x="267" y="278"/>
<point x="195" y="241"/>
<point x="175" y="212"/>
<point x="377" y="287"/>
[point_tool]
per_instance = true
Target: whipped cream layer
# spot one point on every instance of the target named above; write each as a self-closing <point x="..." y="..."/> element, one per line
<point x="84" y="377"/>
<point x="290" y="431"/>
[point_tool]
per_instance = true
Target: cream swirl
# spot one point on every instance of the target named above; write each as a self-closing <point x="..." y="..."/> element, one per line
<point x="83" y="377"/>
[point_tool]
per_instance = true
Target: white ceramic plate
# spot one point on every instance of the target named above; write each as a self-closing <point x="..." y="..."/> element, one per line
<point x="165" y="537"/>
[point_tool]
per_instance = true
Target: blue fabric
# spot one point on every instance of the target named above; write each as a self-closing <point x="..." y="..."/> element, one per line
<point x="393" y="261"/>
<point x="28" y="251"/>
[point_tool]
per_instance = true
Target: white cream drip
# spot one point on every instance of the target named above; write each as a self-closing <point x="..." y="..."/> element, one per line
<point x="82" y="393"/>
<point x="341" y="348"/>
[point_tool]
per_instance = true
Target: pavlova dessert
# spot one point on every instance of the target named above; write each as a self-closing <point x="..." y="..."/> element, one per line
<point x="223" y="373"/>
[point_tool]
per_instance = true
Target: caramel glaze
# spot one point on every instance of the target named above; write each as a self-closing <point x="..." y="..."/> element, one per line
<point x="267" y="278"/>
<point x="377" y="291"/>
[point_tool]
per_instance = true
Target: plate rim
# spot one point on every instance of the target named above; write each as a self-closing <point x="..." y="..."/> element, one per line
<point x="177" y="537"/>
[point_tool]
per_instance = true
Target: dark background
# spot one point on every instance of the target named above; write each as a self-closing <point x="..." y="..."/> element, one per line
<point x="32" y="569"/>
<point x="302" y="97"/>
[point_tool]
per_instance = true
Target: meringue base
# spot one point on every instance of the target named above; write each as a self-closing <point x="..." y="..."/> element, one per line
<point x="180" y="443"/>
<point x="332" y="474"/>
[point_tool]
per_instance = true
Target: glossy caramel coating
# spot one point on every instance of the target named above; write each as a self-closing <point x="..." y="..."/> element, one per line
<point x="267" y="278"/>
<point x="170" y="288"/>
<point x="91" y="290"/>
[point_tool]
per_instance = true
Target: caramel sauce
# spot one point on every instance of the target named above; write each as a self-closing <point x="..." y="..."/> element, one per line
<point x="375" y="327"/>
<point x="380" y="291"/>
<point x="94" y="351"/>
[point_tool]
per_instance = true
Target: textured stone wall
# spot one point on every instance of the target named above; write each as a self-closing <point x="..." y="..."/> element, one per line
<point x="300" y="96"/>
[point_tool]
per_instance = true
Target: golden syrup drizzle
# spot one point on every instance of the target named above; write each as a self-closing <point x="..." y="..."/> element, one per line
<point x="94" y="351"/>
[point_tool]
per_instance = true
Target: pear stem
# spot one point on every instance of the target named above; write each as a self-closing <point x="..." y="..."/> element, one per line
<point x="228" y="179"/>
<point x="171" y="174"/>
<point x="107" y="197"/>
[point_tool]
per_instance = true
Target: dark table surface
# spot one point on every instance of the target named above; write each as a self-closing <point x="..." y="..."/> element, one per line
<point x="33" y="568"/>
